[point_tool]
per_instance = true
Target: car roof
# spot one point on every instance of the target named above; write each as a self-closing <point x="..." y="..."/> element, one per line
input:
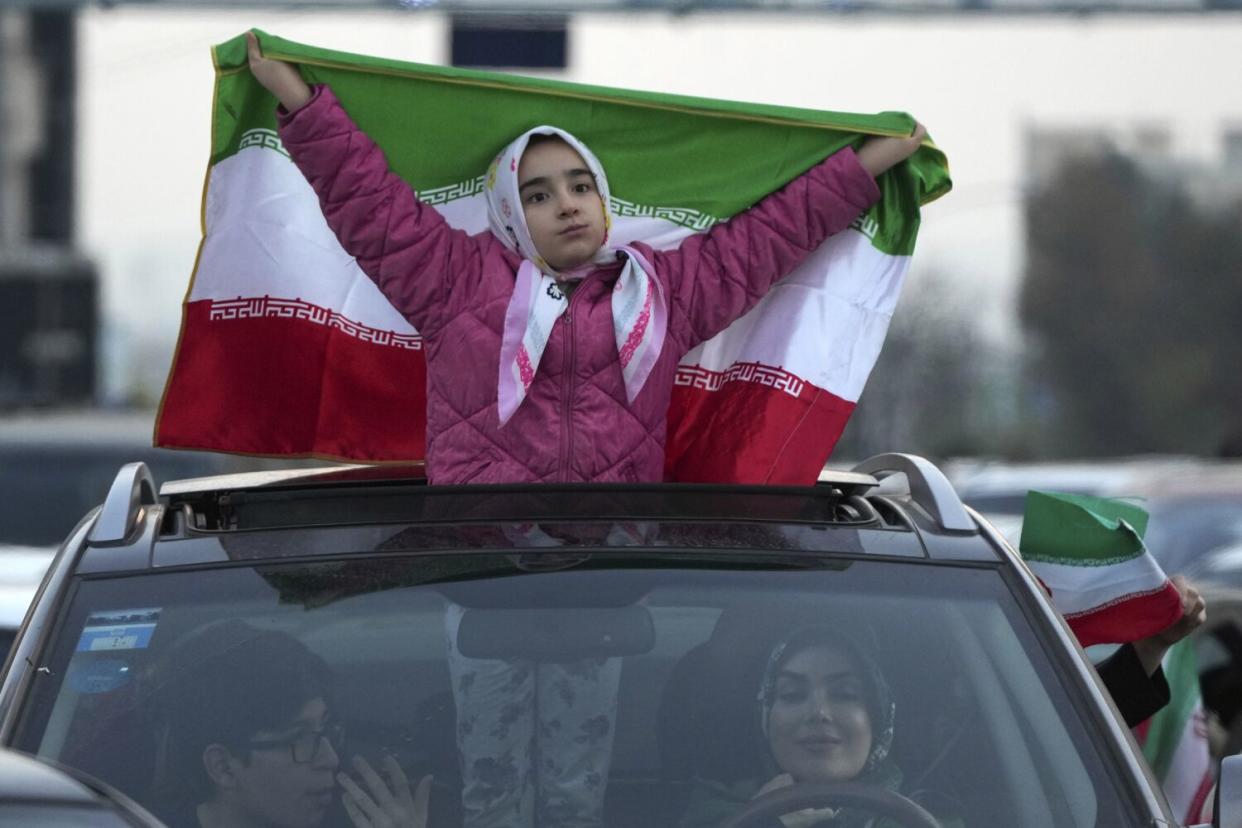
<point x="894" y="504"/>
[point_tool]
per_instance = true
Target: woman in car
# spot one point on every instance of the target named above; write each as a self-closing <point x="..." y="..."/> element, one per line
<point x="826" y="715"/>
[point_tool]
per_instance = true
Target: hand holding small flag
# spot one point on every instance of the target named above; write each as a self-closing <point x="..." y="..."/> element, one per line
<point x="1089" y="553"/>
<point x="1151" y="650"/>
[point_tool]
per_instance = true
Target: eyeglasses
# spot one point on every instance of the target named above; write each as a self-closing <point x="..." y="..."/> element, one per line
<point x="305" y="745"/>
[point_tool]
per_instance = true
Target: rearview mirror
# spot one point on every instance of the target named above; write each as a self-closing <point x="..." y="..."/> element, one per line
<point x="555" y="635"/>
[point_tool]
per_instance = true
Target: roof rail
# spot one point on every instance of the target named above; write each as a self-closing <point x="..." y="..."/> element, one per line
<point x="848" y="482"/>
<point x="927" y="485"/>
<point x="132" y="489"/>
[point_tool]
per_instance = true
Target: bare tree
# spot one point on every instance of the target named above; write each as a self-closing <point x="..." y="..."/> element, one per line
<point x="937" y="386"/>
<point x="1131" y="297"/>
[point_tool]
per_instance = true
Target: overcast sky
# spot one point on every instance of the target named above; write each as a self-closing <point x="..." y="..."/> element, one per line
<point x="977" y="83"/>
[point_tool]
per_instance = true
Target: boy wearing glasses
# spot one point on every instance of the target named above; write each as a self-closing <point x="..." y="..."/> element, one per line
<point x="250" y="741"/>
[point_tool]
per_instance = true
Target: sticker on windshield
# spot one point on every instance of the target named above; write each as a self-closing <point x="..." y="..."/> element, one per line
<point x="99" y="676"/>
<point x="118" y="630"/>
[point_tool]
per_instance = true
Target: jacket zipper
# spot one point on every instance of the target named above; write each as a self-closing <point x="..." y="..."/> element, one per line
<point x="567" y="429"/>
<point x="567" y="392"/>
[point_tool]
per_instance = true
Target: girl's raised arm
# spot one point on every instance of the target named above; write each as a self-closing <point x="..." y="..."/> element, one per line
<point x="720" y="275"/>
<point x="424" y="267"/>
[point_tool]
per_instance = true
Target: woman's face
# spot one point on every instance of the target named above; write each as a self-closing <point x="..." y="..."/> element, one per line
<point x="819" y="729"/>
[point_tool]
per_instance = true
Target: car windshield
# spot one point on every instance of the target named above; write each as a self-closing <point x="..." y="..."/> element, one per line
<point x="584" y="688"/>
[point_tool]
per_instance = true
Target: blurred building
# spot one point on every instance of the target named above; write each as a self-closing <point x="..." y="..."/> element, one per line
<point x="49" y="317"/>
<point x="1211" y="181"/>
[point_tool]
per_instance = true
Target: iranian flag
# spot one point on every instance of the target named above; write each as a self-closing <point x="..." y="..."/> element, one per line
<point x="1175" y="740"/>
<point x="1089" y="553"/>
<point x="287" y="348"/>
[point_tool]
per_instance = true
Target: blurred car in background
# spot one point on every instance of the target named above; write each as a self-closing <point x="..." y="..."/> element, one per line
<point x="1218" y="652"/>
<point x="1195" y="505"/>
<point x="34" y="793"/>
<point x="1221" y="566"/>
<point x="54" y="467"/>
<point x="21" y="570"/>
<point x="997" y="489"/>
<point x="1193" y="514"/>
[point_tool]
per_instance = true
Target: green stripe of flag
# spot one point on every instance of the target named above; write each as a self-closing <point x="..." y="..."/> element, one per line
<point x="1078" y="530"/>
<point x="1168" y="726"/>
<point x="440" y="126"/>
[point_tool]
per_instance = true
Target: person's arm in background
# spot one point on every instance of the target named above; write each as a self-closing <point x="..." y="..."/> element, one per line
<point x="1133" y="674"/>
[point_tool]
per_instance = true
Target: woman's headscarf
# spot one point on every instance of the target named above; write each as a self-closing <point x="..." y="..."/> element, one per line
<point x="878" y="769"/>
<point x="639" y="309"/>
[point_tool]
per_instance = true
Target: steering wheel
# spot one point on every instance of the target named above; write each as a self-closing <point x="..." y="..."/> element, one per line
<point x="872" y="798"/>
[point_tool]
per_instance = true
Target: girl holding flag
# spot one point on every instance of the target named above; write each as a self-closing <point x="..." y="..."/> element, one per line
<point x="551" y="352"/>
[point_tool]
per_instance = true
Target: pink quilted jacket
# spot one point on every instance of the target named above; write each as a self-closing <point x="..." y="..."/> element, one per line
<point x="575" y="423"/>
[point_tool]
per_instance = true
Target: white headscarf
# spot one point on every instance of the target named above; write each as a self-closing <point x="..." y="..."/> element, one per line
<point x="639" y="310"/>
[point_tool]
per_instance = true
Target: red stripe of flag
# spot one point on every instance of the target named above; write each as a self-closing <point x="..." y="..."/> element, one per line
<point x="290" y="387"/>
<point x="753" y="433"/>
<point x="1129" y="619"/>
